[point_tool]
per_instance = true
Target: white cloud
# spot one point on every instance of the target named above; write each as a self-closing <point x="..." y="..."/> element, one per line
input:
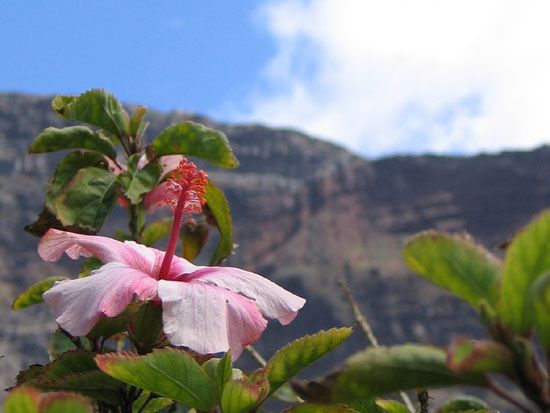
<point x="409" y="76"/>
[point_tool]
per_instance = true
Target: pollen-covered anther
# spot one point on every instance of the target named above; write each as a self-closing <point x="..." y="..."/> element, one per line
<point x="186" y="184"/>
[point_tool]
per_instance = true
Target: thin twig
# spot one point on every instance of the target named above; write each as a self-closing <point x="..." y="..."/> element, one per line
<point x="505" y="396"/>
<point x="365" y="326"/>
<point x="359" y="316"/>
<point x="256" y="355"/>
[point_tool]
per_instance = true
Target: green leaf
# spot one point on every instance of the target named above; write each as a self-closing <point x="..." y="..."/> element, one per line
<point x="93" y="384"/>
<point x="296" y="356"/>
<point x="377" y="371"/>
<point x="194" y="236"/>
<point x="54" y="139"/>
<point x="29" y="400"/>
<point x="143" y="181"/>
<point x="33" y="294"/>
<point x="88" y="199"/>
<point x="217" y="212"/>
<point x="125" y="178"/>
<point x="88" y="266"/>
<point x="392" y="406"/>
<point x="464" y="404"/>
<point x="485" y="356"/>
<point x="455" y="263"/>
<point x="95" y="107"/>
<point x="71" y="362"/>
<point x="138" y="181"/>
<point x="193" y="139"/>
<point x="155" y="231"/>
<point x="22" y="400"/>
<point x="46" y="220"/>
<point x="29" y="375"/>
<point x="146" y="327"/>
<point x="365" y="406"/>
<point x="120" y="235"/>
<point x="74" y="361"/>
<point x="286" y="394"/>
<point x="137" y="125"/>
<point x="539" y="297"/>
<point x="241" y="396"/>
<point x="319" y="408"/>
<point x="62" y="402"/>
<point x="219" y="371"/>
<point x="139" y="216"/>
<point x="153" y="405"/>
<point x="66" y="171"/>
<point x="76" y="371"/>
<point x="527" y="259"/>
<point x="107" y="327"/>
<point x="525" y="357"/>
<point x="59" y="344"/>
<point x="168" y="372"/>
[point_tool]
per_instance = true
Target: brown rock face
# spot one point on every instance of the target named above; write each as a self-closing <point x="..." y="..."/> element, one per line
<point x="305" y="213"/>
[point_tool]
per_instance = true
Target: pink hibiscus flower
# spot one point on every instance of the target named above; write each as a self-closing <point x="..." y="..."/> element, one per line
<point x="207" y="309"/>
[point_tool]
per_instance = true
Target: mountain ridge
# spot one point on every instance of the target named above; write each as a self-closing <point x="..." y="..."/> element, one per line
<point x="306" y="212"/>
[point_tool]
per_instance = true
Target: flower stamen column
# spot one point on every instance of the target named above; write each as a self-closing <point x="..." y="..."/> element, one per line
<point x="186" y="192"/>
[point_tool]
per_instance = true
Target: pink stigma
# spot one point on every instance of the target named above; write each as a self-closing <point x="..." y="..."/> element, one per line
<point x="187" y="191"/>
<point x="188" y="182"/>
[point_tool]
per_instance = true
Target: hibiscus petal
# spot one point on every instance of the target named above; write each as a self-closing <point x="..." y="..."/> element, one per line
<point x="272" y="300"/>
<point x="178" y="268"/>
<point x="208" y="319"/>
<point x="155" y="198"/>
<point x="78" y="304"/>
<point x="169" y="163"/>
<point x="55" y="242"/>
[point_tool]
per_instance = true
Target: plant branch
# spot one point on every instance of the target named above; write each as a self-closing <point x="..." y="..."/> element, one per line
<point x="365" y="326"/>
<point x="495" y="388"/>
<point x="256" y="355"/>
<point x="358" y="314"/>
<point x="75" y="340"/>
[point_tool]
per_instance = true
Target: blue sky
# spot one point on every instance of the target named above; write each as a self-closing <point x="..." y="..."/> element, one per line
<point x="167" y="54"/>
<point x="376" y="77"/>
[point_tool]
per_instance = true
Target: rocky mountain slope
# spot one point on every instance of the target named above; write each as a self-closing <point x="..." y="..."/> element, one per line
<point x="306" y="213"/>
